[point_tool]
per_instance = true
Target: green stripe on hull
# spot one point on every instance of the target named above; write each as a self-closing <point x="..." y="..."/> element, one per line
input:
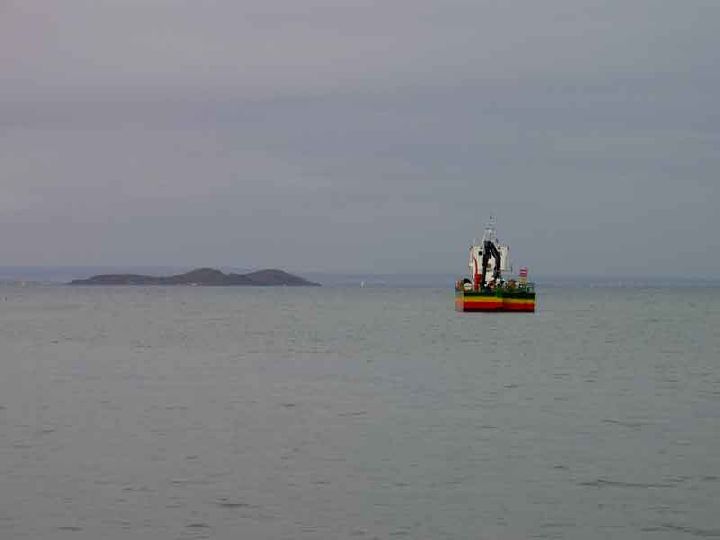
<point x="521" y="295"/>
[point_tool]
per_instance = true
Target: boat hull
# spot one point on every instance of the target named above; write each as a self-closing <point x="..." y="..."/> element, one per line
<point x="495" y="301"/>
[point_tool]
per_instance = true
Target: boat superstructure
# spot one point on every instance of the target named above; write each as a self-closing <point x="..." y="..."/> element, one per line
<point x="488" y="290"/>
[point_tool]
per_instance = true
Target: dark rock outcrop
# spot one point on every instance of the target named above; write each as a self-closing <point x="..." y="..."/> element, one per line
<point x="204" y="277"/>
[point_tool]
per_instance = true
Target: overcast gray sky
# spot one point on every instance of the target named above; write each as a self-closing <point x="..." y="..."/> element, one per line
<point x="361" y="136"/>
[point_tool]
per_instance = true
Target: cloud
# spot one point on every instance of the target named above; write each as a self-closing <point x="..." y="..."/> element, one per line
<point x="285" y="133"/>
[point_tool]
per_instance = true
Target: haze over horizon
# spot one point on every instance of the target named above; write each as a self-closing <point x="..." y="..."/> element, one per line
<point x="361" y="136"/>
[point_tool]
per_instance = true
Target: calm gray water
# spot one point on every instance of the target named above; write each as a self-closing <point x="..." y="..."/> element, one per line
<point x="180" y="413"/>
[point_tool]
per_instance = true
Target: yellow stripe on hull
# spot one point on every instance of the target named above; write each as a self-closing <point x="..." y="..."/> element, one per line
<point x="493" y="303"/>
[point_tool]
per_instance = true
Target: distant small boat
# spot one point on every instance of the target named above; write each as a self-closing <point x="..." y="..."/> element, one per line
<point x="488" y="291"/>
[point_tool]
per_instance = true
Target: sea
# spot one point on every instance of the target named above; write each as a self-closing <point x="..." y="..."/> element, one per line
<point x="360" y="413"/>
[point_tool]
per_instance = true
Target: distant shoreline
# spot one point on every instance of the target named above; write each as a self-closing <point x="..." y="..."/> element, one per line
<point x="204" y="277"/>
<point x="62" y="275"/>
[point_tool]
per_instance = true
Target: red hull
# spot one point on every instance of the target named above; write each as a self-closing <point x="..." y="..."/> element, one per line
<point x="491" y="303"/>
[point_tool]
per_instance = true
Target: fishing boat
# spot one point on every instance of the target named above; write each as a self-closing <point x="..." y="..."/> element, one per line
<point x="488" y="290"/>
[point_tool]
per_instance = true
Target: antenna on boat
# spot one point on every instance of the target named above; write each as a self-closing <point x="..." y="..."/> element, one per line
<point x="490" y="230"/>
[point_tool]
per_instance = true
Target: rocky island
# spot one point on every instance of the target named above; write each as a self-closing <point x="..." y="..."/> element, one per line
<point x="203" y="277"/>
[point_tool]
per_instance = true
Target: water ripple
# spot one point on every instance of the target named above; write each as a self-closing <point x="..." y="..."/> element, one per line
<point x="602" y="482"/>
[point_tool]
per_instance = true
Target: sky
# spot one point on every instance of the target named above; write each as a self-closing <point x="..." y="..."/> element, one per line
<point x="361" y="136"/>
